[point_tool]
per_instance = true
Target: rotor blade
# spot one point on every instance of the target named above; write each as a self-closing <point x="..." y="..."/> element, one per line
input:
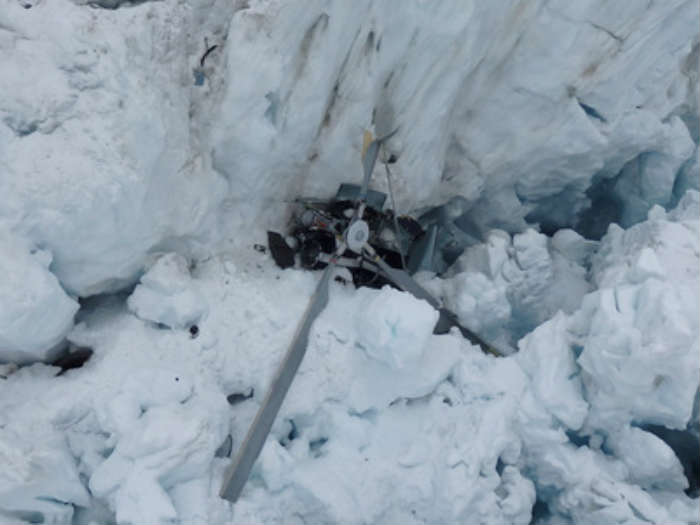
<point x="369" y="160"/>
<point x="447" y="318"/>
<point x="238" y="472"/>
<point x="368" y="163"/>
<point x="404" y="281"/>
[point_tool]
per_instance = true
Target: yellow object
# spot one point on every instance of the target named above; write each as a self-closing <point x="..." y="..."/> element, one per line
<point x="366" y="141"/>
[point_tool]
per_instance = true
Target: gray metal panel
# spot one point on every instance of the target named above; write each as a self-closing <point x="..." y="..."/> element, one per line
<point x="351" y="192"/>
<point x="445" y="214"/>
<point x="370" y="160"/>
<point x="237" y="474"/>
<point x="422" y="252"/>
<point x="448" y="319"/>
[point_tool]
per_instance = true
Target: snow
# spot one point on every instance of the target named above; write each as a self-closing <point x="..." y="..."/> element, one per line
<point x="392" y="328"/>
<point x="136" y="176"/>
<point x="384" y="421"/>
<point x="646" y="311"/>
<point x="634" y="345"/>
<point x="506" y="286"/>
<point x="287" y="95"/>
<point x="166" y="294"/>
<point x="96" y="128"/>
<point x="651" y="463"/>
<point x="35" y="313"/>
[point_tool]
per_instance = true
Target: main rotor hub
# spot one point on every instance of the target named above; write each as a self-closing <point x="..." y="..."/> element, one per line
<point x="357" y="235"/>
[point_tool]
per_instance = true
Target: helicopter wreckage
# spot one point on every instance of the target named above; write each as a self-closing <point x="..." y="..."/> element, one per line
<point x="352" y="230"/>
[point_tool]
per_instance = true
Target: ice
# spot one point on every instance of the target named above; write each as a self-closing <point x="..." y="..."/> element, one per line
<point x="574" y="247"/>
<point x="650" y="461"/>
<point x="148" y="460"/>
<point x="648" y="179"/>
<point x="635" y="344"/>
<point x="98" y="156"/>
<point x="567" y="130"/>
<point x="471" y="117"/>
<point x="545" y="355"/>
<point x="646" y="312"/>
<point x="386" y="352"/>
<point x="392" y="327"/>
<point x="397" y="426"/>
<point x="639" y="354"/>
<point x="481" y="304"/>
<point x="508" y="129"/>
<point x="507" y="286"/>
<point x="444" y="445"/>
<point x="35" y="312"/>
<point x="39" y="481"/>
<point x="167" y="295"/>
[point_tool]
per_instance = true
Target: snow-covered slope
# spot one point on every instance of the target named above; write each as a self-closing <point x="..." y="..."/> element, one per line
<point x="134" y="152"/>
<point x="109" y="150"/>
<point x="384" y="422"/>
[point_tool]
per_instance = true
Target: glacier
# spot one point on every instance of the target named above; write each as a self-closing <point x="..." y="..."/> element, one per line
<point x="145" y="147"/>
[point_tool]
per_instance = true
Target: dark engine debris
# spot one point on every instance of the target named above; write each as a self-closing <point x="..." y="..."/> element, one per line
<point x="431" y="242"/>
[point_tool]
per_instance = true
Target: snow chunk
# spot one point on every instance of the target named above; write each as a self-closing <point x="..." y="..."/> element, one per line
<point x="487" y="257"/>
<point x="393" y="326"/>
<point x="573" y="246"/>
<point x="687" y="209"/>
<point x="35" y="312"/>
<point x="639" y="331"/>
<point x="651" y="462"/>
<point x="167" y="445"/>
<point x="545" y="355"/>
<point x="444" y="447"/>
<point x="504" y="287"/>
<point x="97" y="174"/>
<point x="150" y="417"/>
<point x="387" y="347"/>
<point x="481" y="304"/>
<point x="38" y="480"/>
<point x="167" y="294"/>
<point x="648" y="179"/>
<point x="640" y="353"/>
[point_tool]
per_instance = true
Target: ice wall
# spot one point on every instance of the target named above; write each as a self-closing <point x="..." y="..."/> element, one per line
<point x="119" y="138"/>
<point x="520" y="107"/>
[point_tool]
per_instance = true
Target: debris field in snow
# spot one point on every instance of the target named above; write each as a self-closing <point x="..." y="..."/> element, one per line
<point x="137" y="175"/>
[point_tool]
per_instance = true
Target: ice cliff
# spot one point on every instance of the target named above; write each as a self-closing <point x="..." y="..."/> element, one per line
<point x="144" y="148"/>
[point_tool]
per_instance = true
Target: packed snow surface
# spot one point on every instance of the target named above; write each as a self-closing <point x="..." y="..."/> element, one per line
<point x="146" y="146"/>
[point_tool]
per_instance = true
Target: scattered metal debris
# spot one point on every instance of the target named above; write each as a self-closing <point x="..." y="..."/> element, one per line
<point x="350" y="231"/>
<point x="224" y="450"/>
<point x="239" y="397"/>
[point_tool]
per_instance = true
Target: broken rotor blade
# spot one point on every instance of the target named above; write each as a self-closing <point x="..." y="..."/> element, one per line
<point x="369" y="160"/>
<point x="237" y="474"/>
<point x="402" y="279"/>
<point x="447" y="318"/>
<point x="368" y="163"/>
